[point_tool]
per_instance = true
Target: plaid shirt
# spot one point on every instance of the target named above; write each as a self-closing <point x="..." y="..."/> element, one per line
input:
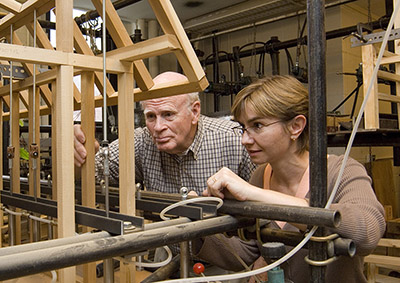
<point x="215" y="146"/>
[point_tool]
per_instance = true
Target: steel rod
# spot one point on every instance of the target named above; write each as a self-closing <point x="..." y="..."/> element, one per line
<point x="295" y="214"/>
<point x="12" y="266"/>
<point x="316" y="42"/>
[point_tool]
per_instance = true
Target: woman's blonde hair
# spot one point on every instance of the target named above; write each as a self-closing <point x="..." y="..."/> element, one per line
<point x="280" y="97"/>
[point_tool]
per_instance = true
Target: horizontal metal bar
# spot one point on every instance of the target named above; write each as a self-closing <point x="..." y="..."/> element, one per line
<point x="295" y="214"/>
<point x="375" y="37"/>
<point x="12" y="266"/>
<point x="83" y="215"/>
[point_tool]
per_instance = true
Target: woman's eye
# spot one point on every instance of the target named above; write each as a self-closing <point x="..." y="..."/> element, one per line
<point x="258" y="126"/>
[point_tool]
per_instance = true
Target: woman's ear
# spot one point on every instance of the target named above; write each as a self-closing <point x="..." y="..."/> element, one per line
<point x="297" y="126"/>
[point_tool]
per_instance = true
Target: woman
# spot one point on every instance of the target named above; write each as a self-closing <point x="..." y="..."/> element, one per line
<point x="273" y="114"/>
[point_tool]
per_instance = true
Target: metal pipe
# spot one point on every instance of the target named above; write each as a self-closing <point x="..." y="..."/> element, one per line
<point x="304" y="215"/>
<point x="341" y="246"/>
<point x="52" y="243"/>
<point x="185" y="259"/>
<point x="23" y="264"/>
<point x="316" y="42"/>
<point x="293" y="43"/>
<point x="163" y="272"/>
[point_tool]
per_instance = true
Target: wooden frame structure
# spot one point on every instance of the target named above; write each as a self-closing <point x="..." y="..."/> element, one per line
<point x="369" y="56"/>
<point x="73" y="56"/>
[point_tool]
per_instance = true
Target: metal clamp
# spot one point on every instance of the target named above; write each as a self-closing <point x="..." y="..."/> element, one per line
<point x="241" y="235"/>
<point x="10" y="152"/>
<point x="34" y="150"/>
<point x="321" y="262"/>
<point x="324" y="238"/>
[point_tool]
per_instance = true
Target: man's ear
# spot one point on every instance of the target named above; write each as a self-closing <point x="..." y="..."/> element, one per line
<point x="196" y="109"/>
<point x="297" y="126"/>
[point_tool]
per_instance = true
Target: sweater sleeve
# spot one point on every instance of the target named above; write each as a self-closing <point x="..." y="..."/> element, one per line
<point x="362" y="215"/>
<point x="228" y="250"/>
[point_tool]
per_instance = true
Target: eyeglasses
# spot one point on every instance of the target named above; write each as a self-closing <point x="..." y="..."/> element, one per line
<point x="253" y="130"/>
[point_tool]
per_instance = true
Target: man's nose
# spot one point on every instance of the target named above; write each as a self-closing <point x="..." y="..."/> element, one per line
<point x="159" y="123"/>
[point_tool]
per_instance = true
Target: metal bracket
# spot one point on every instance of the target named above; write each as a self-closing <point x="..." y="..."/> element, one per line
<point x="18" y="72"/>
<point x="10" y="152"/>
<point x="34" y="150"/>
<point x="374" y="38"/>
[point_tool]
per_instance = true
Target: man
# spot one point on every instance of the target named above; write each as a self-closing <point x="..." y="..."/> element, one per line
<point x="178" y="147"/>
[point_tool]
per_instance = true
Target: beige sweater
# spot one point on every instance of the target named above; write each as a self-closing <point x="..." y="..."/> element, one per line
<point x="362" y="221"/>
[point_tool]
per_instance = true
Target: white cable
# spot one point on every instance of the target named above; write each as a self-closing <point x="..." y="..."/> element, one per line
<point x="157" y="264"/>
<point x="53" y="276"/>
<point x="333" y="193"/>
<point x="191" y="200"/>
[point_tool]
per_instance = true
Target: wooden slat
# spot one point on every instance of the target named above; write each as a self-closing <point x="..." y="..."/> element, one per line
<point x="152" y="47"/>
<point x="388" y="97"/>
<point x="34" y="102"/>
<point x="397" y="65"/>
<point x="10" y="6"/>
<point x="64" y="132"/>
<point x="389" y="243"/>
<point x="44" y="89"/>
<point x="371" y="112"/>
<point x="88" y="170"/>
<point x="1" y="167"/>
<point x="82" y="47"/>
<point x="121" y="38"/>
<point x="25" y="15"/>
<point x="126" y="157"/>
<point x="49" y="57"/>
<point x="388" y="76"/>
<point x="383" y="260"/>
<point x="171" y="88"/>
<point x="170" y="24"/>
<point x="16" y="168"/>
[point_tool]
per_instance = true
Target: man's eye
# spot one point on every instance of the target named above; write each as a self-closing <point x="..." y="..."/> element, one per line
<point x="150" y="117"/>
<point x="169" y="116"/>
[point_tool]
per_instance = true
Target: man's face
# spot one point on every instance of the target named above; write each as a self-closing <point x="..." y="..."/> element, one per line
<point x="172" y="122"/>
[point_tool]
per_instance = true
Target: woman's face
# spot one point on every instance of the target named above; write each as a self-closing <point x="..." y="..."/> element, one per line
<point x="266" y="139"/>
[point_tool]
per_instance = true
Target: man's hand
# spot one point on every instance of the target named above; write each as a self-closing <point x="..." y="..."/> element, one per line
<point x="79" y="146"/>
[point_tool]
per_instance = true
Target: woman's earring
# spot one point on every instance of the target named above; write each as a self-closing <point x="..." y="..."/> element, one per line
<point x="293" y="138"/>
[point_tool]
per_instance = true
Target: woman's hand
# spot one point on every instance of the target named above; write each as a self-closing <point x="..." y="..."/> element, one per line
<point x="226" y="184"/>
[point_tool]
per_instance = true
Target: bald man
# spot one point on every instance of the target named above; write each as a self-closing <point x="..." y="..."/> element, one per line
<point x="179" y="147"/>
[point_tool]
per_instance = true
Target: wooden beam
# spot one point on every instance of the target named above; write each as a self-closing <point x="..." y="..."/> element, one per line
<point x="50" y="57"/>
<point x="64" y="132"/>
<point x="121" y="38"/>
<point x="16" y="168"/>
<point x="34" y="138"/>
<point x="1" y="165"/>
<point x="152" y="47"/>
<point x="371" y="112"/>
<point x="25" y="15"/>
<point x="88" y="169"/>
<point x="44" y="89"/>
<point x="82" y="47"/>
<point x="388" y="76"/>
<point x="126" y="157"/>
<point x="10" y="6"/>
<point x="171" y="88"/>
<point x="388" y="97"/>
<point x="170" y="24"/>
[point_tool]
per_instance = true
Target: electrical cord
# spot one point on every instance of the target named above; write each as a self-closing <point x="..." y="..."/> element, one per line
<point x="186" y="201"/>
<point x="157" y="264"/>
